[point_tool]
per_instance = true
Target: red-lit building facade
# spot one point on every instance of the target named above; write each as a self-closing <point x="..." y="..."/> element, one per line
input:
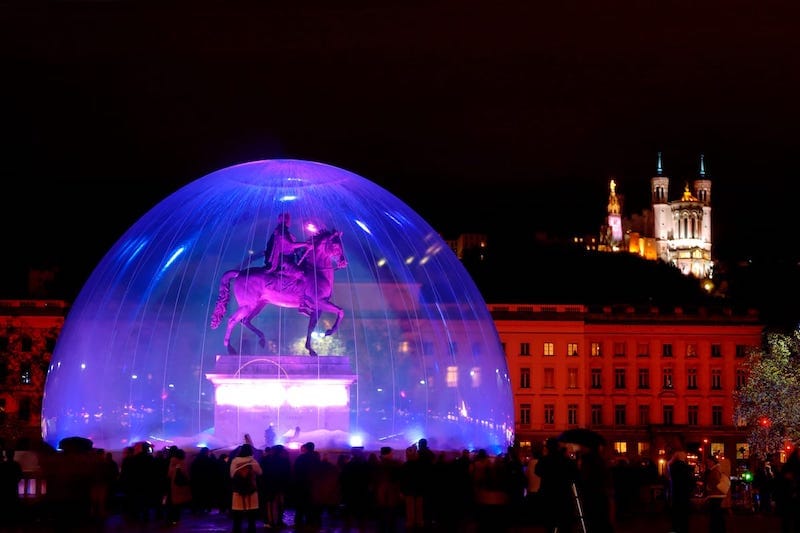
<point x="649" y="380"/>
<point x="28" y="332"/>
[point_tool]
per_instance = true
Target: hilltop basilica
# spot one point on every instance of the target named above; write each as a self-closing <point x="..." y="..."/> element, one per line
<point x="677" y="231"/>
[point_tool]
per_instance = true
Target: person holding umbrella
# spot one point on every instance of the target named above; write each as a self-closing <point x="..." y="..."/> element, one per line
<point x="558" y="474"/>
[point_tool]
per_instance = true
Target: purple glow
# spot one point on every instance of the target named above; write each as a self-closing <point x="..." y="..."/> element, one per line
<point x="423" y="357"/>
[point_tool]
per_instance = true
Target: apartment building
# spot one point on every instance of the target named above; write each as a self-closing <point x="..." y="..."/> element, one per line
<point x="28" y="333"/>
<point x="649" y="379"/>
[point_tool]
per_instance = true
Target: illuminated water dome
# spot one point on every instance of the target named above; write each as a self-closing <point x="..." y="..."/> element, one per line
<point x="415" y="355"/>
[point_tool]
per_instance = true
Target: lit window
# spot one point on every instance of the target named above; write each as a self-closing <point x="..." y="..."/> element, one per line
<point x="548" y="349"/>
<point x="452" y="376"/>
<point x="643" y="448"/>
<point x="572" y="349"/>
<point x="667" y="378"/>
<point x="621" y="446"/>
<point x="25" y="377"/>
<point x="594" y="349"/>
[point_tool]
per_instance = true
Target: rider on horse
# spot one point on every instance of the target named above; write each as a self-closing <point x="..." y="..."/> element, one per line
<point x="280" y="253"/>
<point x="281" y="256"/>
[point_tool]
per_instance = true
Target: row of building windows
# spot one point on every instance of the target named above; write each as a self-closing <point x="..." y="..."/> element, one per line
<point x="620" y="349"/>
<point x="24" y="377"/>
<point x="620" y="378"/>
<point x="620" y="415"/>
<point x="24" y="410"/>
<point x="25" y="344"/>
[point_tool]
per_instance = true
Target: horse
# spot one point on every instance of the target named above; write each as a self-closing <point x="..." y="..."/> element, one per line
<point x="308" y="290"/>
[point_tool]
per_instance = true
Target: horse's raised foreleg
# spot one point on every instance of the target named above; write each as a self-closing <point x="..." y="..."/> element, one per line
<point x="247" y="321"/>
<point x="312" y="324"/>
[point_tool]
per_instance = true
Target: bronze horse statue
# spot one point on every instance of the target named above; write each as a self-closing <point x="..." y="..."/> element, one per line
<point x="308" y="289"/>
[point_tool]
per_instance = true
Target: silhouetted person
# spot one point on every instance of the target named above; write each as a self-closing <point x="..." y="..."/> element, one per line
<point x="276" y="479"/>
<point x="354" y="480"/>
<point x="681" y="487"/>
<point x="10" y="476"/>
<point x="763" y="482"/>
<point x="202" y="472"/>
<point x="386" y="483"/>
<point x="787" y="493"/>
<point x="558" y="473"/>
<point x="305" y="466"/>
<point x="179" y="492"/>
<point x="269" y="436"/>
<point x="715" y="494"/>
<point x="596" y="489"/>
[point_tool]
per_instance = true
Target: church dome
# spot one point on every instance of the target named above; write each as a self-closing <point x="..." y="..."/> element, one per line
<point x="416" y="349"/>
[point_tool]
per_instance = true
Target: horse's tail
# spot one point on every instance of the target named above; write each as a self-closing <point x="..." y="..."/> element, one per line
<point x="222" y="300"/>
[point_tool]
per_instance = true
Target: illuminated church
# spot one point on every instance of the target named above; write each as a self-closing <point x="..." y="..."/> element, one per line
<point x="677" y="232"/>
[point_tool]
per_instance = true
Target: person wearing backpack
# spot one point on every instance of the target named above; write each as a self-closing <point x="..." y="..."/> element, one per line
<point x="244" y="497"/>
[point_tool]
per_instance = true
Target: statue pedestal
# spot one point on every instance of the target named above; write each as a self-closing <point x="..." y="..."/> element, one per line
<point x="296" y="394"/>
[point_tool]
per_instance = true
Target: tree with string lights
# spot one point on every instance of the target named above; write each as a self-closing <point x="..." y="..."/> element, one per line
<point x="769" y="401"/>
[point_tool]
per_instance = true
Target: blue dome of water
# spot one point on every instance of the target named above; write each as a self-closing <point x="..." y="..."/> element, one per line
<point x="414" y="355"/>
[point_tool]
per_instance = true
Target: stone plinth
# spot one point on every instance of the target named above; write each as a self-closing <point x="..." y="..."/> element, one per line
<point x="289" y="392"/>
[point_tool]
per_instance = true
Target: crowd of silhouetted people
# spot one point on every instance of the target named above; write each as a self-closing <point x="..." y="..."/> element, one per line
<point x="550" y="487"/>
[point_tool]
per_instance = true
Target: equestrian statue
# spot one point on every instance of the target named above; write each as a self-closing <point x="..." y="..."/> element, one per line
<point x="305" y="284"/>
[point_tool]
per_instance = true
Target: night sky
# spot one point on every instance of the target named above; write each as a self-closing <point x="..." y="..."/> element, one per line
<point x="518" y="114"/>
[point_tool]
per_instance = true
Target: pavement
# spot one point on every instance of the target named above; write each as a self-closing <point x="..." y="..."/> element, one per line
<point x="644" y="522"/>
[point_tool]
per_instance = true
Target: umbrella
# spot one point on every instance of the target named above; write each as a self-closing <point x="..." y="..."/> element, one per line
<point x="582" y="436"/>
